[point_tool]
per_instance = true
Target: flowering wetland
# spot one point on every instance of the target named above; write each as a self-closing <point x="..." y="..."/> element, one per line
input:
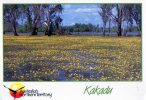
<point x="72" y="58"/>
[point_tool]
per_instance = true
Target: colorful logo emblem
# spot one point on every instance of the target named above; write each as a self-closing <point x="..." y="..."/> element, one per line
<point x="16" y="90"/>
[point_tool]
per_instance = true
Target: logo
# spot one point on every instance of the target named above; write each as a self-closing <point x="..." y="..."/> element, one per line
<point x="16" y="90"/>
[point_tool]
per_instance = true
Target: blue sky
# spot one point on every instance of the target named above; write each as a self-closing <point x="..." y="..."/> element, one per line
<point x="80" y="13"/>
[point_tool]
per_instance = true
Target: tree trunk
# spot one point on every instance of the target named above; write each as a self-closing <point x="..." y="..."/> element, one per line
<point x="14" y="29"/>
<point x="104" y="26"/>
<point x="119" y="29"/>
<point x="46" y="31"/>
<point x="109" y="30"/>
<point x="131" y="26"/>
<point x="34" y="31"/>
<point x="57" y="29"/>
<point x="50" y="29"/>
<point x="126" y="29"/>
<point x="49" y="32"/>
<point x="119" y="20"/>
<point x="138" y="29"/>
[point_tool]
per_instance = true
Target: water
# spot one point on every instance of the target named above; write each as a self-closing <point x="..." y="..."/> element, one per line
<point x="62" y="75"/>
<point x="85" y="33"/>
<point x="86" y="74"/>
<point x="100" y="33"/>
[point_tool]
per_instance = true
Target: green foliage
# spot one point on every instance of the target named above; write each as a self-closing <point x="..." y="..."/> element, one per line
<point x="82" y="28"/>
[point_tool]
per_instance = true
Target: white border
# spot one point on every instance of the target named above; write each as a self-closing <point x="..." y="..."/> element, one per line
<point x="72" y="1"/>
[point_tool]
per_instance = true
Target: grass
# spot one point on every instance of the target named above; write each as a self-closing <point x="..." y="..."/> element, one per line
<point x="72" y="58"/>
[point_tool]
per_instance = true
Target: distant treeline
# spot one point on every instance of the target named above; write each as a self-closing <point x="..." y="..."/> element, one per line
<point x="78" y="27"/>
<point x="34" y="18"/>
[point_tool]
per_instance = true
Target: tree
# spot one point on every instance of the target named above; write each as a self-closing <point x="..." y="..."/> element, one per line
<point x="118" y="18"/>
<point x="105" y="13"/>
<point x="33" y="14"/>
<point x="37" y="12"/>
<point x="27" y="9"/>
<point x="136" y="12"/>
<point x="127" y="17"/>
<point x="58" y="21"/>
<point x="11" y="15"/>
<point x="109" y="29"/>
<point x="51" y="17"/>
<point x="127" y="14"/>
<point x="131" y="13"/>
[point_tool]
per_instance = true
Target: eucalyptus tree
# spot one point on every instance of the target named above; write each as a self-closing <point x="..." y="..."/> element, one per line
<point x="127" y="19"/>
<point x="105" y="13"/>
<point x="52" y="18"/>
<point x="131" y="13"/>
<point x="136" y="12"/>
<point x="36" y="17"/>
<point x="28" y="13"/>
<point x="118" y="18"/>
<point x="58" y="21"/>
<point x="12" y="13"/>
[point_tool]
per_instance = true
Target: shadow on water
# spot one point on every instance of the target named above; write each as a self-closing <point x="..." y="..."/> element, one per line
<point x="64" y="75"/>
<point x="8" y="75"/>
<point x="79" y="74"/>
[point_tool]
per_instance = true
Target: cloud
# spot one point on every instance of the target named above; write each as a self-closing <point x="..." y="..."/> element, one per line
<point x="95" y="13"/>
<point x="72" y="23"/>
<point x="80" y="13"/>
<point x="86" y="10"/>
<point x="67" y="6"/>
